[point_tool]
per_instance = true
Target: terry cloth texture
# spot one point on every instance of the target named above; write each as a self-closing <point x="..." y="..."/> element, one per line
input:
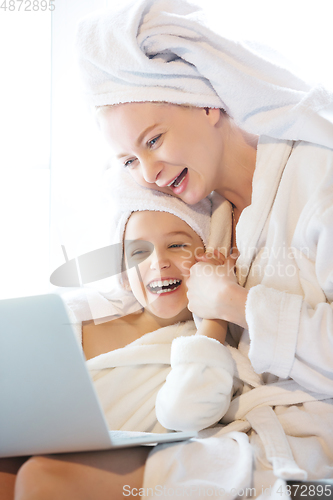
<point x="161" y="50"/>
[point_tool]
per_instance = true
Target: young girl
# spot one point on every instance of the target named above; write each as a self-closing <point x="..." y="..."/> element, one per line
<point x="152" y="370"/>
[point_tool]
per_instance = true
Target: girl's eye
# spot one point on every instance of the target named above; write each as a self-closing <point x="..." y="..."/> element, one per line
<point x="152" y="142"/>
<point x="178" y="245"/>
<point x="138" y="252"/>
<point x="128" y="163"/>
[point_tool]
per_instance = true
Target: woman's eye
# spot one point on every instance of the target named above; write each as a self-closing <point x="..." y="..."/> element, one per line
<point x="152" y="142"/>
<point x="128" y="163"/>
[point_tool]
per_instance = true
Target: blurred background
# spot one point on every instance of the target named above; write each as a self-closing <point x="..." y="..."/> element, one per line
<point x="51" y="153"/>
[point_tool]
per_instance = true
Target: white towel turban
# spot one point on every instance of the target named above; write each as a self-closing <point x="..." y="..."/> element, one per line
<point x="160" y="50"/>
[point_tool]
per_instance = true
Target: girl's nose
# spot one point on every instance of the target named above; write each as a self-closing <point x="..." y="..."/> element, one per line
<point x="159" y="262"/>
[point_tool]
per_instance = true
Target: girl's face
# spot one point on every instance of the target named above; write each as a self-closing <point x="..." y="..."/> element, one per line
<point x="174" y="149"/>
<point x="162" y="248"/>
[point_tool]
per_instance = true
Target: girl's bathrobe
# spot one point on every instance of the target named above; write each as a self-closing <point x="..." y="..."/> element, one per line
<point x="169" y="379"/>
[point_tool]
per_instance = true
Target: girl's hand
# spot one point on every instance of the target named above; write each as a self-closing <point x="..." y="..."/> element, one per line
<point x="213" y="291"/>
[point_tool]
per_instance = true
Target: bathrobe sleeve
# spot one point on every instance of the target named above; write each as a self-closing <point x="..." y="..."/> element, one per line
<point x="198" y="389"/>
<point x="289" y="336"/>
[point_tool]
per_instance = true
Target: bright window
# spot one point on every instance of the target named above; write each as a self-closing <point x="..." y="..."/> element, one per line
<point x="25" y="41"/>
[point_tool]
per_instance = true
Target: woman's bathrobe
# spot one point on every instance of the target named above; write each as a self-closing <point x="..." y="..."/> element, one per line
<point x="280" y="422"/>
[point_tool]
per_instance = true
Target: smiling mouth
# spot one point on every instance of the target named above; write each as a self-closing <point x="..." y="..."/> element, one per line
<point x="164" y="286"/>
<point x="178" y="180"/>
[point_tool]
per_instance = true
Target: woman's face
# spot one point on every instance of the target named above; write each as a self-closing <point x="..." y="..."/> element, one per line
<point x="174" y="149"/>
<point x="160" y="249"/>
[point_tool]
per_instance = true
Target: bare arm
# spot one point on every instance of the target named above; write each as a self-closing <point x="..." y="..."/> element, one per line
<point x="214" y="329"/>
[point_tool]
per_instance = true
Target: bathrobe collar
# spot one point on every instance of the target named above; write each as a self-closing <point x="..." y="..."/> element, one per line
<point x="272" y="154"/>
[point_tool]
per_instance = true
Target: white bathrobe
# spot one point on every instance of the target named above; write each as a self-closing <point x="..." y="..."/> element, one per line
<point x="280" y="423"/>
<point x="286" y="236"/>
<point x="169" y="379"/>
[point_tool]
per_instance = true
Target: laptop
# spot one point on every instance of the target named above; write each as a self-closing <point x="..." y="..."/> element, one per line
<point x="48" y="403"/>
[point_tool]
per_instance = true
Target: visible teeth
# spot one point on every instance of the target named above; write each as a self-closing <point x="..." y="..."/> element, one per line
<point x="154" y="284"/>
<point x="179" y="183"/>
<point x="171" y="182"/>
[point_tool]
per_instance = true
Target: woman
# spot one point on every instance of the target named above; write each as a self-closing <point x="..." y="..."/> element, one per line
<point x="281" y="196"/>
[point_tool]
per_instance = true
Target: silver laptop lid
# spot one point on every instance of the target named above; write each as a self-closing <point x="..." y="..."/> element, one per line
<point x="47" y="400"/>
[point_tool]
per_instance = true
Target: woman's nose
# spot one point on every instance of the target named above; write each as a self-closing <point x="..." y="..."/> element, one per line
<point x="150" y="170"/>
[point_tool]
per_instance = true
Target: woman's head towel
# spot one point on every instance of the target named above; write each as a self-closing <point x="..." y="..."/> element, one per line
<point x="160" y="50"/>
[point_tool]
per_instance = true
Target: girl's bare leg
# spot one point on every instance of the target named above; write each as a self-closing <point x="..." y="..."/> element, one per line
<point x="8" y="471"/>
<point x="99" y="475"/>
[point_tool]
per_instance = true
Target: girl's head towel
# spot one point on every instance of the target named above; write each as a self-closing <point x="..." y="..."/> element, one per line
<point x="128" y="197"/>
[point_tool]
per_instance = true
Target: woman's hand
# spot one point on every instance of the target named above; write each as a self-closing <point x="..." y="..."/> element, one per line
<point x="213" y="291"/>
<point x="211" y="256"/>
